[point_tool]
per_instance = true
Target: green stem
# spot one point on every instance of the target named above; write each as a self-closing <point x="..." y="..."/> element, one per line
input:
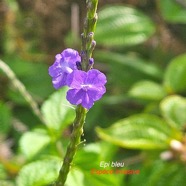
<point x="22" y="90"/>
<point x="87" y="48"/>
<point x="72" y="147"/>
<point x="88" y="43"/>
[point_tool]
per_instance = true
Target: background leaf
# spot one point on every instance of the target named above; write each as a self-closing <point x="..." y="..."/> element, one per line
<point x="31" y="143"/>
<point x="139" y="132"/>
<point x="122" y="26"/>
<point x="147" y="90"/>
<point x="175" y="75"/>
<point x="33" y="75"/>
<point x="5" y="118"/>
<point x="75" y="177"/>
<point x="173" y="11"/>
<point x="6" y="183"/>
<point x="132" y="61"/>
<point x="57" y="111"/>
<point x="39" y="173"/>
<point x="159" y="174"/>
<point x="3" y="173"/>
<point x="174" y="110"/>
<point x="82" y="170"/>
<point x="124" y="70"/>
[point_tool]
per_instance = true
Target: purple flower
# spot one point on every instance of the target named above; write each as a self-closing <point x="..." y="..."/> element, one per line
<point x="64" y="64"/>
<point x="86" y="87"/>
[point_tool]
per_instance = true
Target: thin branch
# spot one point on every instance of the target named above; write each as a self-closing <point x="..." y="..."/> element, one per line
<point x="22" y="90"/>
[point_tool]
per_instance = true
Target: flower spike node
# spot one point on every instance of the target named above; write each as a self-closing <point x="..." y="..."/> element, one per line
<point x="91" y="35"/>
<point x="83" y="54"/>
<point x="93" y="45"/>
<point x="91" y="61"/>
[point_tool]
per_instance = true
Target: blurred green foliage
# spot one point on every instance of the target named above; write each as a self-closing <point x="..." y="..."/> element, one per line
<point x="141" y="121"/>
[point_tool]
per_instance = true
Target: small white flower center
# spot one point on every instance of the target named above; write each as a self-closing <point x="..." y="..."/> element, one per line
<point x="86" y="86"/>
<point x="67" y="69"/>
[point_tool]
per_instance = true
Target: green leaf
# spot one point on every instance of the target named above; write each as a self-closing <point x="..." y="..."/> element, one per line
<point x="175" y="75"/>
<point x="122" y="26"/>
<point x="173" y="11"/>
<point x="57" y="111"/>
<point x="75" y="177"/>
<point x="33" y="75"/>
<point x="87" y="159"/>
<point x="4" y="177"/>
<point x="160" y="173"/>
<point x="6" y="183"/>
<point x="147" y="90"/>
<point x="129" y="61"/>
<point x="5" y="118"/>
<point x="3" y="174"/>
<point x="39" y="173"/>
<point x="126" y="69"/>
<point x="141" y="131"/>
<point x="31" y="143"/>
<point x="174" y="110"/>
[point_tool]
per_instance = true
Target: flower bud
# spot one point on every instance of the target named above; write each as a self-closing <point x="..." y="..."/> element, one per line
<point x="91" y="61"/>
<point x="78" y="64"/>
<point x="166" y="155"/>
<point x="176" y="145"/>
<point x="91" y="35"/>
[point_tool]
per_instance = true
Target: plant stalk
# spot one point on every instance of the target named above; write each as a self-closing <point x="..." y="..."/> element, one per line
<point x="22" y="90"/>
<point x="87" y="48"/>
<point x="88" y="43"/>
<point x="72" y="147"/>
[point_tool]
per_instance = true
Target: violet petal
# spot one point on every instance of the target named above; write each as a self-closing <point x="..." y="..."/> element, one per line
<point x="76" y="79"/>
<point x="95" y="77"/>
<point x="74" y="96"/>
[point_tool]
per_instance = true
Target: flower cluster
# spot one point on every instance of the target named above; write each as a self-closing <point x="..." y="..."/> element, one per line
<point x="85" y="87"/>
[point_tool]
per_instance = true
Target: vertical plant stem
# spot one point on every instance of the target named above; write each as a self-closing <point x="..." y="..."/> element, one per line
<point x="72" y="147"/>
<point x="87" y="48"/>
<point x="88" y="43"/>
